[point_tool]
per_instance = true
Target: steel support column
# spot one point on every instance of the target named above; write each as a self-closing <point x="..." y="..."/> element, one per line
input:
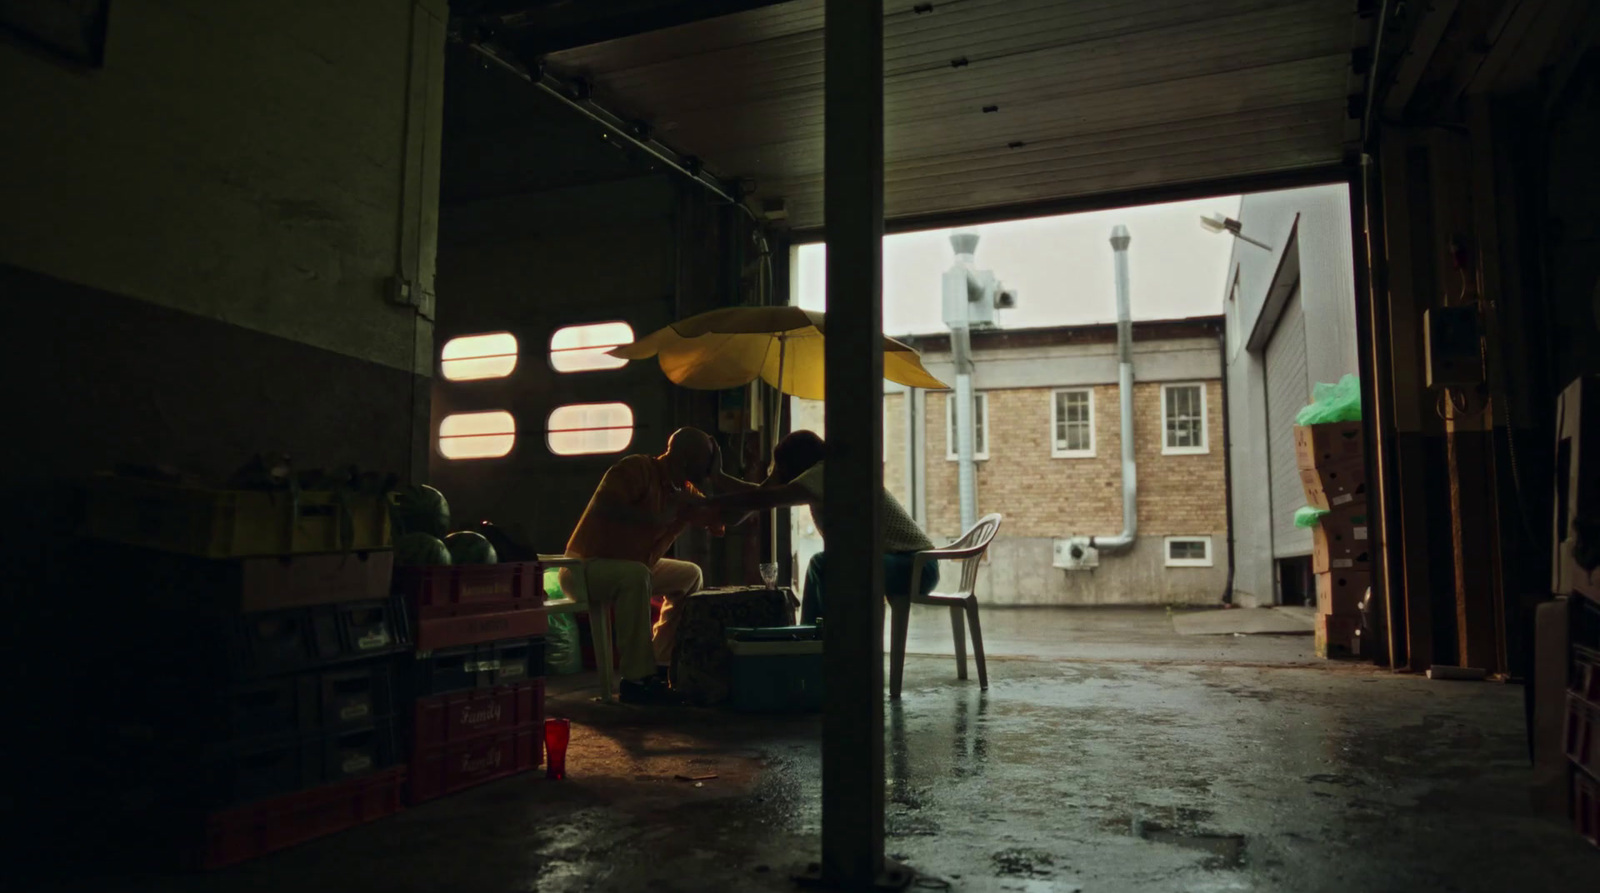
<point x="852" y="727"/>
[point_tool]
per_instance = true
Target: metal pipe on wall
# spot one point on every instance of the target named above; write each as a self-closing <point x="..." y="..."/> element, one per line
<point x="1130" y="472"/>
<point x="965" y="408"/>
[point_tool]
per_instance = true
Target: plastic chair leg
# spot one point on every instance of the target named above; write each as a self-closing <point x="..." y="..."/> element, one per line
<point x="600" y="634"/>
<point x="977" y="643"/>
<point x="900" y="621"/>
<point x="958" y="629"/>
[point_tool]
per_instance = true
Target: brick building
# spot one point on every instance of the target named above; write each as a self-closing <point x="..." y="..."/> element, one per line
<point x="1049" y="451"/>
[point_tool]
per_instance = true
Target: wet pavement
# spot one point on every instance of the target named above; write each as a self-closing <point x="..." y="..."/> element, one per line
<point x="1109" y="754"/>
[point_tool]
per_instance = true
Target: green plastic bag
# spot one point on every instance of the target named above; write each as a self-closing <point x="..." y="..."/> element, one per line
<point x="1307" y="517"/>
<point x="1339" y="402"/>
<point x="563" y="653"/>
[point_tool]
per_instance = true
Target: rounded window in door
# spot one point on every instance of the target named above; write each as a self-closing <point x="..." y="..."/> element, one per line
<point x="477" y="435"/>
<point x="586" y="429"/>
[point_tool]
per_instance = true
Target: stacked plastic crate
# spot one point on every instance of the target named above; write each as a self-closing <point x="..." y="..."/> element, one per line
<point x="476" y="684"/>
<point x="260" y="651"/>
<point x="1575" y="575"/>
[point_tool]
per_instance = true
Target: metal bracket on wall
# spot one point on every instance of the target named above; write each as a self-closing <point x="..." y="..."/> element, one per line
<point x="403" y="293"/>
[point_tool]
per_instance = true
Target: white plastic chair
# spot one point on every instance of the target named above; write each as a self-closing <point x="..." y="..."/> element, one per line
<point x="965" y="553"/>
<point x="599" y="618"/>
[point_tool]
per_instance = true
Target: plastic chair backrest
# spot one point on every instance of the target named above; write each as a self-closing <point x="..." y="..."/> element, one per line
<point x="979" y="537"/>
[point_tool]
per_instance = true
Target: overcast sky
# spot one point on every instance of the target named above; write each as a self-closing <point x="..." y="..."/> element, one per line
<point x="1060" y="267"/>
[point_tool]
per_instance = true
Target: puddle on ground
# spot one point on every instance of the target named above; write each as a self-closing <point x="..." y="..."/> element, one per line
<point x="1222" y="850"/>
<point x="1023" y="863"/>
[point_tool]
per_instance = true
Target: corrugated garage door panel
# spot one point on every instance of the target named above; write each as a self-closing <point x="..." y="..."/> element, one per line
<point x="1288" y="389"/>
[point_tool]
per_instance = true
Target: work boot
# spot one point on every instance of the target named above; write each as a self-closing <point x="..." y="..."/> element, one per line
<point x="651" y="691"/>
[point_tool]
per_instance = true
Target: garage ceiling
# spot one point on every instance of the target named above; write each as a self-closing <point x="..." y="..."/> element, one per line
<point x="1000" y="103"/>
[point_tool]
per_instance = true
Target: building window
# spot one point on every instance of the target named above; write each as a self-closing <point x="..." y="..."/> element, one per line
<point x="584" y="348"/>
<point x="583" y="429"/>
<point x="1072" y="424"/>
<point x="477" y="435"/>
<point x="475" y="357"/>
<point x="1183" y="419"/>
<point x="1189" y="551"/>
<point x="980" y="426"/>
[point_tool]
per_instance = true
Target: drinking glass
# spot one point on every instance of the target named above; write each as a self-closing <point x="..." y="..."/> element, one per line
<point x="769" y="573"/>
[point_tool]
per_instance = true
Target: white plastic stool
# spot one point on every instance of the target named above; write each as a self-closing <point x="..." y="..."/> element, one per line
<point x="599" y="618"/>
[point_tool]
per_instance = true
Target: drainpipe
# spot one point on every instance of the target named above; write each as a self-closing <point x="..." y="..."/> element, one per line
<point x="1227" y="458"/>
<point x="1130" y="479"/>
<point x="959" y="287"/>
<point x="967" y="472"/>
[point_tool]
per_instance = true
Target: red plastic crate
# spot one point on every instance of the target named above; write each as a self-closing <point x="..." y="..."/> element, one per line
<point x="476" y="629"/>
<point x="1585" y="806"/>
<point x="467" y="589"/>
<point x="437" y="771"/>
<point x="245" y="832"/>
<point x="459" y="716"/>
<point x="1583" y="720"/>
<point x="1586" y="674"/>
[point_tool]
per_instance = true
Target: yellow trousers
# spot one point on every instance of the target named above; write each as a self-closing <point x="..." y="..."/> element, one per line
<point x="627" y="586"/>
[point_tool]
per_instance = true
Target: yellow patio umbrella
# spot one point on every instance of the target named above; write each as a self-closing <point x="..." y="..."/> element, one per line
<point x="782" y="346"/>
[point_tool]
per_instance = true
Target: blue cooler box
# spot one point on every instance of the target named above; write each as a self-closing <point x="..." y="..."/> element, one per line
<point x="776" y="669"/>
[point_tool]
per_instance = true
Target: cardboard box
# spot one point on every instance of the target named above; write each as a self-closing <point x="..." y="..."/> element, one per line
<point x="1336" y="443"/>
<point x="1336" y="635"/>
<point x="1340" y="541"/>
<point x="1577" y="488"/>
<point x="1341" y="592"/>
<point x="1335" y="486"/>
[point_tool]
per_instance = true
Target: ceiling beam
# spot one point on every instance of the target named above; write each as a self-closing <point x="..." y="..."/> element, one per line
<point x="535" y="29"/>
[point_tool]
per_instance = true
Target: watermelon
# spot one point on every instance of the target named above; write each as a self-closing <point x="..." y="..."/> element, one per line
<point x="418" y="508"/>
<point x="420" y="550"/>
<point x="470" y="547"/>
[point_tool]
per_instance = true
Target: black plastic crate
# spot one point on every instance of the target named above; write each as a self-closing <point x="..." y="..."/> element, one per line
<point x="477" y="666"/>
<point x="210" y="776"/>
<point x="254" y="646"/>
<point x="197" y="708"/>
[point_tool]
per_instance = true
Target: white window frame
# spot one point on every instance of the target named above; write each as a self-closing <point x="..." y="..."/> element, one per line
<point x="1166" y="551"/>
<point x="1205" y="421"/>
<point x="981" y="399"/>
<point x="1056" y="451"/>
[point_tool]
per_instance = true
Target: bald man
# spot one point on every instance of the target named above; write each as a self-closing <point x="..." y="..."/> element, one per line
<point x="643" y="504"/>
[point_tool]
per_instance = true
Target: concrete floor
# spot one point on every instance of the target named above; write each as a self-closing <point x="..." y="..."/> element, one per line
<point x="1109" y="754"/>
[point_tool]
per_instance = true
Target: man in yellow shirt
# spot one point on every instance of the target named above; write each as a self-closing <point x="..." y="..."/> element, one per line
<point x="643" y="504"/>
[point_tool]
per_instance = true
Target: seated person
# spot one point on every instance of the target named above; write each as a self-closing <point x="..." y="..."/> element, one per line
<point x="640" y="508"/>
<point x="796" y="479"/>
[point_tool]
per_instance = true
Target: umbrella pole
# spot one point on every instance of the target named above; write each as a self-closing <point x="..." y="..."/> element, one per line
<point x="777" y="419"/>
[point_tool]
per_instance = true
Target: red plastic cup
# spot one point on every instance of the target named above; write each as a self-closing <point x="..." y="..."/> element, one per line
<point x="556" y="734"/>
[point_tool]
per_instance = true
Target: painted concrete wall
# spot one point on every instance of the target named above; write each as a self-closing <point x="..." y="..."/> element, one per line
<point x="266" y="165"/>
<point x="1321" y="218"/>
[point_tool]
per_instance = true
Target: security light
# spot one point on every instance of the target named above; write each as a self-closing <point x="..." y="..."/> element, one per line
<point x="1219" y="224"/>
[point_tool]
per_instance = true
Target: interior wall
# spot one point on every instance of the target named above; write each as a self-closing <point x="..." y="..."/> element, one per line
<point x="242" y="162"/>
<point x="198" y="236"/>
<point x="196" y="244"/>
